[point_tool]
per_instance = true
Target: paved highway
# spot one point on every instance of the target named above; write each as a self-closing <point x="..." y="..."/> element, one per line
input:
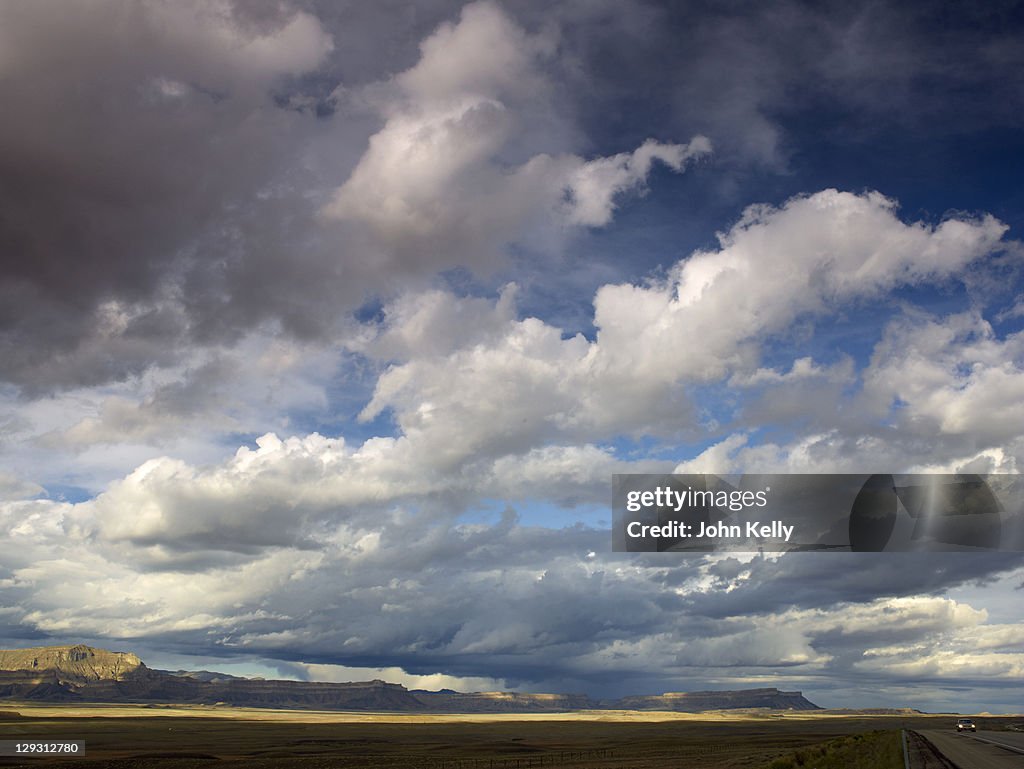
<point x="976" y="751"/>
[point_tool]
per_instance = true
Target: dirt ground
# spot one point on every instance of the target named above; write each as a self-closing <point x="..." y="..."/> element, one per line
<point x="126" y="737"/>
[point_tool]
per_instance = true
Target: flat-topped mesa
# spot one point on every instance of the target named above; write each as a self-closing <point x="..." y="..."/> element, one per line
<point x="79" y="663"/>
<point x="744" y="699"/>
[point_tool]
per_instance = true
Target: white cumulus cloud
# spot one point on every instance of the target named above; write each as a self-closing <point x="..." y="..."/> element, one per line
<point x="461" y="162"/>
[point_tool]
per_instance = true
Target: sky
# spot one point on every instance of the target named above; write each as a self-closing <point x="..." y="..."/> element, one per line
<point x="324" y="326"/>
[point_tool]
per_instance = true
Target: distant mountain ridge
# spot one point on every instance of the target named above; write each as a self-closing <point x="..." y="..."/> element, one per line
<point x="696" y="702"/>
<point x="83" y="673"/>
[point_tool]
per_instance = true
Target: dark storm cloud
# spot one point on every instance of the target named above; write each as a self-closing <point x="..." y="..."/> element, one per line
<point x="134" y="137"/>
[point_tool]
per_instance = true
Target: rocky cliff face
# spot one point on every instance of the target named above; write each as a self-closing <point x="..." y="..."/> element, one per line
<point x="78" y="664"/>
<point x="84" y="674"/>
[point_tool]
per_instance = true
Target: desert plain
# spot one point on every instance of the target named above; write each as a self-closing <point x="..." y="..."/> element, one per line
<point x="180" y="737"/>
